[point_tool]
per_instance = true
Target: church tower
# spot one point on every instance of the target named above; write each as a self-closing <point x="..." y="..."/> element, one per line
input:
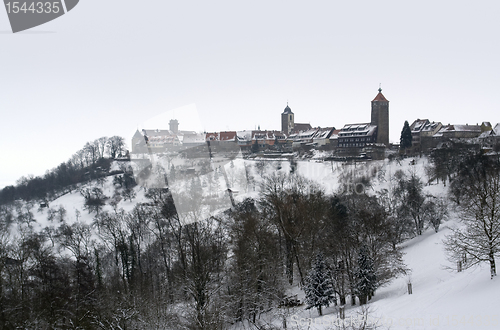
<point x="287" y="120"/>
<point x="380" y="117"/>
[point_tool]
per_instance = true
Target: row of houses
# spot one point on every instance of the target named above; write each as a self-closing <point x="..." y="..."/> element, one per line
<point x="352" y="139"/>
<point x="427" y="135"/>
<point x="162" y="140"/>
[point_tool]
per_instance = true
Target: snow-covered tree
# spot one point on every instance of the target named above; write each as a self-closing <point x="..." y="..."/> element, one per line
<point x="435" y="210"/>
<point x="479" y="240"/>
<point x="319" y="285"/>
<point x="365" y="277"/>
<point x="94" y="199"/>
<point x="116" y="146"/>
<point x="410" y="192"/>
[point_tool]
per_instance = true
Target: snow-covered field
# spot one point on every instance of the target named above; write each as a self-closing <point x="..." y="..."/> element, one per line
<point x="442" y="297"/>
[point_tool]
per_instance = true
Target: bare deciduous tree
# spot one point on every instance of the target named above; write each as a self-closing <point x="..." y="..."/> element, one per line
<point x="479" y="239"/>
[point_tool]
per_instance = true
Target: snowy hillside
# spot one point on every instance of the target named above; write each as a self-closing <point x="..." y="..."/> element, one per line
<point x="442" y="297"/>
<point x="244" y="178"/>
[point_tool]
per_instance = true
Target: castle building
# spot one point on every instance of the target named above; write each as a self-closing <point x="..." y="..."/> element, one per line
<point x="160" y="140"/>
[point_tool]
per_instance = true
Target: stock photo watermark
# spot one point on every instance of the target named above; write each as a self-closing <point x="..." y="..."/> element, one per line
<point x="451" y="321"/>
<point x="24" y="15"/>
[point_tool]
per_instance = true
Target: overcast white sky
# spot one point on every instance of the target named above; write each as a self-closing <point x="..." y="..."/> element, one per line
<point x="107" y="67"/>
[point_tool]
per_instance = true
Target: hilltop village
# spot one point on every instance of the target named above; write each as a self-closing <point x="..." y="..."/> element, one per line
<point x="368" y="139"/>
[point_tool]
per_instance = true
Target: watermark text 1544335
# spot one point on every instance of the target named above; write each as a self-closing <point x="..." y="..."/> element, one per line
<point x="26" y="14"/>
<point x="40" y="7"/>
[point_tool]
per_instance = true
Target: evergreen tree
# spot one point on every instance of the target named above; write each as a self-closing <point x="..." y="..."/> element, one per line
<point x="319" y="285"/>
<point x="365" y="277"/>
<point x="406" y="138"/>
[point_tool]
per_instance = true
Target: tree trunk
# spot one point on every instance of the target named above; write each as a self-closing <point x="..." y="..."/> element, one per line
<point x="298" y="267"/>
<point x="493" y="269"/>
<point x="289" y="260"/>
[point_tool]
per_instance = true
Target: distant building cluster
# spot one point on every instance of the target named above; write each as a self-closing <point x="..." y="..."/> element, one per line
<point x="352" y="139"/>
<point x="427" y="135"/>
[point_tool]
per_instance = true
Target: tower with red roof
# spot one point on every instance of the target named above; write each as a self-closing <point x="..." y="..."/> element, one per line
<point x="380" y="117"/>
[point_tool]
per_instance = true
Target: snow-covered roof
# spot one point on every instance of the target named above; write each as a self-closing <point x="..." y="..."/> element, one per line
<point x="197" y="138"/>
<point x="335" y="135"/>
<point x="357" y="130"/>
<point x="440" y="132"/>
<point x="450" y="129"/>
<point x="464" y="128"/>
<point x="494" y="132"/>
<point x="423" y="125"/>
<point x="307" y="134"/>
<point x="323" y="133"/>
<point x="429" y="127"/>
<point x="418" y="125"/>
<point x="244" y="135"/>
<point x="267" y="135"/>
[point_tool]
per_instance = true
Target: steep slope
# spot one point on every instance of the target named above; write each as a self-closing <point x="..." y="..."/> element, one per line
<point x="442" y="298"/>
